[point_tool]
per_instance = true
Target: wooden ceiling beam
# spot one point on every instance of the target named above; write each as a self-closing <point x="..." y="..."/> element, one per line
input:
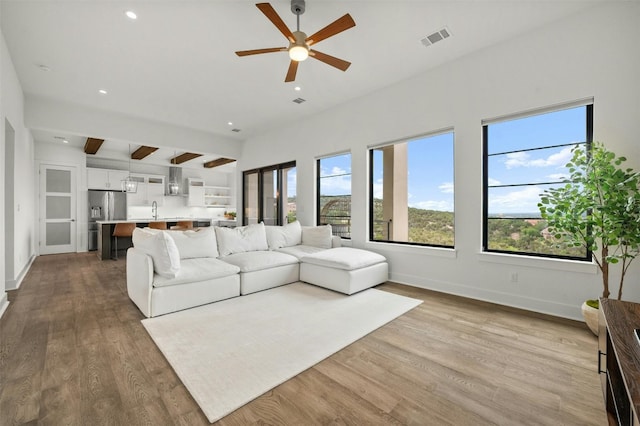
<point x="187" y="156"/>
<point x="92" y="145"/>
<point x="218" y="162"/>
<point x="143" y="152"/>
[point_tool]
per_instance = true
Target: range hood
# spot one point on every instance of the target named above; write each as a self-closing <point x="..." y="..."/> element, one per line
<point x="174" y="186"/>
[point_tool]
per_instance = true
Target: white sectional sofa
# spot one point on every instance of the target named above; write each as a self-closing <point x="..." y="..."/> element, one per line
<point x="168" y="271"/>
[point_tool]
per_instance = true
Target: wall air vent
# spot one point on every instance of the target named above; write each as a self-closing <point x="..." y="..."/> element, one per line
<point x="299" y="100"/>
<point x="436" y="37"/>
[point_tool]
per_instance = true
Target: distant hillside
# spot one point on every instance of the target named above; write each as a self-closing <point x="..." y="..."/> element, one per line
<point x="513" y="232"/>
<point x="425" y="226"/>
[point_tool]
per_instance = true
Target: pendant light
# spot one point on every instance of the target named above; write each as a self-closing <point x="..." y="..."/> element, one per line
<point x="129" y="185"/>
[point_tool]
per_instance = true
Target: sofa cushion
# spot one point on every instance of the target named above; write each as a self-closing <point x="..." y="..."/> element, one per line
<point x="241" y="239"/>
<point x="162" y="249"/>
<point x="259" y="260"/>
<point x="345" y="258"/>
<point x="317" y="236"/>
<point x="196" y="243"/>
<point x="194" y="270"/>
<point x="284" y="236"/>
<point x="299" y="251"/>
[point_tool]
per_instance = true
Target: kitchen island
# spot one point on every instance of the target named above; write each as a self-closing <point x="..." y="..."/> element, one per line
<point x="105" y="230"/>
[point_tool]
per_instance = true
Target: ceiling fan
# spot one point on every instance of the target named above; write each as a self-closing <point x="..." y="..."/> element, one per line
<point x="299" y="44"/>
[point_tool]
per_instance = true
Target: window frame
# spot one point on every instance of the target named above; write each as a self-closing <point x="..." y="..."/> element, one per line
<point x="588" y="104"/>
<point x="371" y="213"/>
<point x="318" y="192"/>
<point x="260" y="171"/>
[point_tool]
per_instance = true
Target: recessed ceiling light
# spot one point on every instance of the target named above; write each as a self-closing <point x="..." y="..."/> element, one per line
<point x="43" y="67"/>
<point x="131" y="14"/>
<point x="230" y="123"/>
<point x="297" y="88"/>
<point x="102" y="92"/>
<point x="65" y="141"/>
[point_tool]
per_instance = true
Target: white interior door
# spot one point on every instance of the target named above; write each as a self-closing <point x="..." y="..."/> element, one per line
<point x="58" y="225"/>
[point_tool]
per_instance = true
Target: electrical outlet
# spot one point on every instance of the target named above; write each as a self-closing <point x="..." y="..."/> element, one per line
<point x="514" y="277"/>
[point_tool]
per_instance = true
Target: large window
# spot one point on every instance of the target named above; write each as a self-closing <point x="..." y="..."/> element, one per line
<point x="523" y="156"/>
<point x="411" y="191"/>
<point x="334" y="193"/>
<point x="269" y="195"/>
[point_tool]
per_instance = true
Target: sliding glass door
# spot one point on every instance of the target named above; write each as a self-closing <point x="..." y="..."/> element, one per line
<point x="269" y="195"/>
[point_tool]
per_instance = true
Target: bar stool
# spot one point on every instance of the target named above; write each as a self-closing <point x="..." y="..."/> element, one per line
<point x="121" y="230"/>
<point x="182" y="225"/>
<point x="158" y="225"/>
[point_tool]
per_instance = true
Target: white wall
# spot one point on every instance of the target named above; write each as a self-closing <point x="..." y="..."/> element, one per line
<point x="23" y="209"/>
<point x="593" y="54"/>
<point x="4" y="302"/>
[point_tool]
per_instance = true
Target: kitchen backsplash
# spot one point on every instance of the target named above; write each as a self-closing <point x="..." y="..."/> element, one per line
<point x="176" y="207"/>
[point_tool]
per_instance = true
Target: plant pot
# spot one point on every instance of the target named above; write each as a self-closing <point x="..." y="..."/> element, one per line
<point x="590" y="316"/>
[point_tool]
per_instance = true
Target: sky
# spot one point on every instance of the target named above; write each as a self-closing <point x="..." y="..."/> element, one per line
<point x="431" y="164"/>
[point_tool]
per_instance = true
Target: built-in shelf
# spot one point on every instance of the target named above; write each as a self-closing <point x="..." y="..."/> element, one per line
<point x="201" y="195"/>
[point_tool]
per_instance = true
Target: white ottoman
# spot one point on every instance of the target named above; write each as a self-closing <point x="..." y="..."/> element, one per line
<point x="344" y="269"/>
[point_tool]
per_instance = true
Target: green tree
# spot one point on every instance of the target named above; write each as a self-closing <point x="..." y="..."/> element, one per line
<point x="598" y="207"/>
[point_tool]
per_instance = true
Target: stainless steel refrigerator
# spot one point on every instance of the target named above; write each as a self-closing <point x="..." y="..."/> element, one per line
<point x="104" y="205"/>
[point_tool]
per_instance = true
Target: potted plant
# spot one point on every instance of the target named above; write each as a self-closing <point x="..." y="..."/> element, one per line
<point x="597" y="208"/>
<point x="230" y="215"/>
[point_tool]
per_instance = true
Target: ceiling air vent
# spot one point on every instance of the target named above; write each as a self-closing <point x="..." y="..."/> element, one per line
<point x="436" y="37"/>
<point x="299" y="100"/>
<point x="235" y="130"/>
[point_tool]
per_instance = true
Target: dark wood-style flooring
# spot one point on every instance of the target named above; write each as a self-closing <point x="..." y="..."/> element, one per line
<point x="73" y="352"/>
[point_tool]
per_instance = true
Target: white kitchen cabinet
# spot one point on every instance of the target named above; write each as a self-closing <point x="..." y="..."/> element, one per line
<point x="195" y="197"/>
<point x="150" y="189"/>
<point x="105" y="179"/>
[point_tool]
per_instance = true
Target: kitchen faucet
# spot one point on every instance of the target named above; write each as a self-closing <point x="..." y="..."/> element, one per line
<point x="154" y="210"/>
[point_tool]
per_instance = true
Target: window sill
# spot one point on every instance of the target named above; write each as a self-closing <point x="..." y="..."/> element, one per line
<point x="539" y="262"/>
<point x="450" y="253"/>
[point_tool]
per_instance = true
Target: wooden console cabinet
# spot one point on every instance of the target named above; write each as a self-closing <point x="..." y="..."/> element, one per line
<point x="619" y="360"/>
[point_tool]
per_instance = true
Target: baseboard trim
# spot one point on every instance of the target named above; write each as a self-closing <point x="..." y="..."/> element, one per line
<point x="528" y="304"/>
<point x="15" y="284"/>
<point x="4" y="304"/>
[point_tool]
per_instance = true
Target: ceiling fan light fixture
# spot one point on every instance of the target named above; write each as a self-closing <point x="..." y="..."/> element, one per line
<point x="298" y="53"/>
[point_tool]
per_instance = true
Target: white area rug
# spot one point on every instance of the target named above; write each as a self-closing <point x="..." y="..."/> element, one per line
<point x="229" y="353"/>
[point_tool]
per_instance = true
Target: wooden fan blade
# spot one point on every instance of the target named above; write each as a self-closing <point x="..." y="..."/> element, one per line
<point x="259" y="51"/>
<point x="330" y="60"/>
<point x="291" y="73"/>
<point x="332" y="29"/>
<point x="273" y="16"/>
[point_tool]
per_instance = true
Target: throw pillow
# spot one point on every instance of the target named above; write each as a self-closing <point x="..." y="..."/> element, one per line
<point x="162" y="249"/>
<point x="196" y="243"/>
<point x="317" y="236"/>
<point x="284" y="236"/>
<point x="241" y="239"/>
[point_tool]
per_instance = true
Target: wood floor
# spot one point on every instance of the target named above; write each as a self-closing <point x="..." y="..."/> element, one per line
<point x="73" y="352"/>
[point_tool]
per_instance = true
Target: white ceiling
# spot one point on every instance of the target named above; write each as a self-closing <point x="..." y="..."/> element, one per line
<point x="176" y="62"/>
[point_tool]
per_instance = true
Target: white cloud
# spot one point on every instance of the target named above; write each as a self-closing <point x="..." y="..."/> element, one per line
<point x="523" y="159"/>
<point x="338" y="184"/>
<point x="494" y="182"/>
<point x="446" y="188"/>
<point x="377" y="189"/>
<point x="439" y="205"/>
<point x="518" y="201"/>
